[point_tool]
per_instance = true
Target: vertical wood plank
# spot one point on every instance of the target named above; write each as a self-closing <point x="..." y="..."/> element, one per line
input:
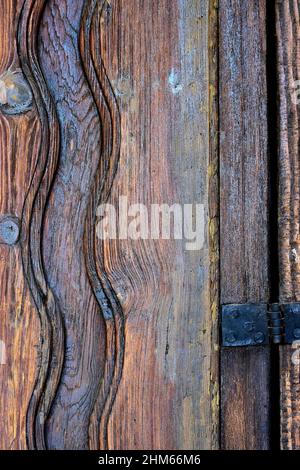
<point x="65" y="246"/>
<point x="245" y="398"/>
<point x="244" y="239"/>
<point x="288" y="59"/>
<point x="109" y="344"/>
<point x="20" y="134"/>
<point x="158" y="56"/>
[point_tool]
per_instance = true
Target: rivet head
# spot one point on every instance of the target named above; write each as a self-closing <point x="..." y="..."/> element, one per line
<point x="249" y="326"/>
<point x="235" y="314"/>
<point x="259" y="337"/>
<point x="9" y="230"/>
<point x="296" y="333"/>
<point x="230" y="338"/>
<point x="15" y="93"/>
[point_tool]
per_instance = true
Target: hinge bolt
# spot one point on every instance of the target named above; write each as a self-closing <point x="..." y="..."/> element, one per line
<point x="235" y="314"/>
<point x="297" y="333"/>
<point x="259" y="337"/>
<point x="230" y="338"/>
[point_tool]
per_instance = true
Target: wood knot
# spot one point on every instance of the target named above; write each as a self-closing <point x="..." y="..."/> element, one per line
<point x="15" y="93"/>
<point x="9" y="230"/>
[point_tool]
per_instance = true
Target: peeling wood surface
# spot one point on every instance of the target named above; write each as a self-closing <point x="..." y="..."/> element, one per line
<point x="244" y="218"/>
<point x="108" y="344"/>
<point x="287" y="29"/>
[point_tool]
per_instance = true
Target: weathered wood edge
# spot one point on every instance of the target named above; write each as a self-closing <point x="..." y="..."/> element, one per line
<point x="214" y="213"/>
<point x="288" y="71"/>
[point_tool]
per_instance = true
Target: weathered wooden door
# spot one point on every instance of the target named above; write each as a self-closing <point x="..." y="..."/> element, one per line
<point x="107" y="343"/>
<point x="149" y="167"/>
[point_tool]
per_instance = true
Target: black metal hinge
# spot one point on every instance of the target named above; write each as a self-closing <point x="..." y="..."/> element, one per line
<point x="260" y="324"/>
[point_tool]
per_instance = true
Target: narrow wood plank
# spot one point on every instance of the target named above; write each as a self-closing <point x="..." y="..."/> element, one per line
<point x="287" y="29"/>
<point x="66" y="249"/>
<point x="159" y="59"/>
<point x="244" y="218"/>
<point x="243" y="151"/>
<point x="19" y="327"/>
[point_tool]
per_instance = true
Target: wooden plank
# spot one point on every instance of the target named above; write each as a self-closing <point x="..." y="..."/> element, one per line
<point x="136" y="105"/>
<point x="159" y="68"/>
<point x="109" y="344"/>
<point x="244" y="218"/>
<point x="245" y="397"/>
<point x="287" y="29"/>
<point x="20" y="136"/>
<point x="64" y="242"/>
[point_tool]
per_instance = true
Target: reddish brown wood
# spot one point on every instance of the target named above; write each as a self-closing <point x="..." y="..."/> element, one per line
<point x="20" y="136"/>
<point x="63" y="242"/>
<point x="110" y="345"/>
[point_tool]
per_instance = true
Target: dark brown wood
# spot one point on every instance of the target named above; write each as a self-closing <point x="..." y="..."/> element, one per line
<point x="243" y="152"/>
<point x="113" y="344"/>
<point x="245" y="399"/>
<point x="287" y="29"/>
<point x="245" y="392"/>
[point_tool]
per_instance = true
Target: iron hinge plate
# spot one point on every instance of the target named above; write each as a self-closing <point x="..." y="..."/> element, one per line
<point x="291" y="315"/>
<point x="260" y="324"/>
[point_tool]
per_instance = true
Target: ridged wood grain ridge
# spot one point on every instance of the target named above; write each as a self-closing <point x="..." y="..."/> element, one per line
<point x="111" y="309"/>
<point x="52" y="333"/>
<point x="124" y="102"/>
<point x="288" y="69"/>
<point x="90" y="136"/>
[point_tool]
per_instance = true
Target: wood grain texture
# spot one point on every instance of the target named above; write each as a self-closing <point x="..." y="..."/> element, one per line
<point x="112" y="312"/>
<point x="245" y="419"/>
<point x="214" y="218"/>
<point x="243" y="152"/>
<point x="110" y="344"/>
<point x="20" y="137"/>
<point x="288" y="59"/>
<point x="64" y="231"/>
<point x="52" y="333"/>
<point x="290" y="397"/>
<point x="244" y="239"/>
<point x="162" y="71"/>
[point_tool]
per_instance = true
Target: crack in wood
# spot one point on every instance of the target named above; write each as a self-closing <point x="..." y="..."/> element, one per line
<point x="52" y="332"/>
<point x="111" y="309"/>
